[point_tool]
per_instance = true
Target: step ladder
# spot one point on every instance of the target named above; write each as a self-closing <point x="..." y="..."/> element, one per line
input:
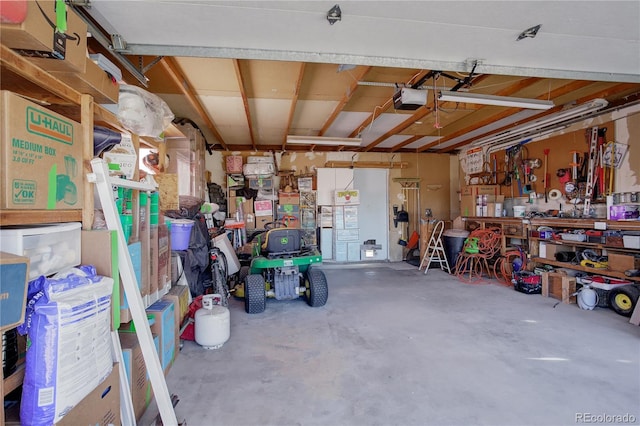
<point x="435" y="250"/>
<point x="104" y="184"/>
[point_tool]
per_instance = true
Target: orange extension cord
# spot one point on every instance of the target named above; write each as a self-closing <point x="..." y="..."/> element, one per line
<point x="503" y="267"/>
<point x="470" y="267"/>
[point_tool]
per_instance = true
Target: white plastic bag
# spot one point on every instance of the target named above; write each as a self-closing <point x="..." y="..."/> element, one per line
<point x="142" y="112"/>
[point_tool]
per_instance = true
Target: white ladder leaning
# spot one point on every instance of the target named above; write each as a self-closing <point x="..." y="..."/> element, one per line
<point x="100" y="177"/>
<point x="435" y="250"/>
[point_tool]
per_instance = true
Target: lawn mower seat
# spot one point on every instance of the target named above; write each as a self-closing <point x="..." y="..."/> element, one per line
<point x="282" y="241"/>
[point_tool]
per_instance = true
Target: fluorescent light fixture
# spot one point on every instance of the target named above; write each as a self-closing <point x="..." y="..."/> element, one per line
<point x="549" y="122"/>
<point x="476" y="98"/>
<point x="322" y="140"/>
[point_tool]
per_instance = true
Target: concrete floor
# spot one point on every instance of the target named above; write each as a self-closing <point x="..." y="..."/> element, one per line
<point x="395" y="347"/>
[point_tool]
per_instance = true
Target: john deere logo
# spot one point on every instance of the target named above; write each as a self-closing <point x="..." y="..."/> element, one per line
<point x="284" y="240"/>
<point x="43" y="124"/>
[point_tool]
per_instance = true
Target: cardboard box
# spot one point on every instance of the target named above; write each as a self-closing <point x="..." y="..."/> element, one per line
<point x="468" y="205"/>
<point x="154" y="259"/>
<point x="164" y="325"/>
<point x="93" y="81"/>
<point x="135" y="252"/>
<point x="232" y="205"/>
<point x="263" y="220"/>
<point x="250" y="222"/>
<point x="623" y="262"/>
<point x="136" y="371"/>
<point x="548" y="251"/>
<point x="475" y="190"/>
<point x="100" y="407"/>
<point x="36" y="38"/>
<point x="263" y="207"/>
<point x="234" y="164"/>
<point x="41" y="154"/>
<point x="559" y="286"/>
<point x="164" y="256"/>
<point x="146" y="250"/>
<point x="288" y="198"/>
<point x="13" y="289"/>
<point x="105" y="261"/>
<point x="179" y="296"/>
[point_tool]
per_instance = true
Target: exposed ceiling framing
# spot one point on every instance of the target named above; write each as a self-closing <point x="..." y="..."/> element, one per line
<point x="251" y="73"/>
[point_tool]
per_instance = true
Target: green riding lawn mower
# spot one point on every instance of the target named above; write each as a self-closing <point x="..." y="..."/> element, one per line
<point x="283" y="269"/>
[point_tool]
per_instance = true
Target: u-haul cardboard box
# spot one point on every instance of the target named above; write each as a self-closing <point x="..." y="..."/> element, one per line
<point x="41" y="157"/>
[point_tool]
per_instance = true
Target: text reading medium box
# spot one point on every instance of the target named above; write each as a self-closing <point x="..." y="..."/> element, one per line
<point x="50" y="248"/>
<point x="41" y="157"/>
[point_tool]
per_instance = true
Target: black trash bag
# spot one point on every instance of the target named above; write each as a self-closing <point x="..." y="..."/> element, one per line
<point x="195" y="260"/>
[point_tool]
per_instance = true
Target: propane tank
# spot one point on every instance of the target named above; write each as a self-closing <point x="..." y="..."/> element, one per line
<point x="212" y="328"/>
<point x="587" y="298"/>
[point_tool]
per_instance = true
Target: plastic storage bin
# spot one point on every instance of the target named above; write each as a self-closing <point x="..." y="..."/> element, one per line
<point x="50" y="248"/>
<point x="573" y="237"/>
<point x="631" y="241"/>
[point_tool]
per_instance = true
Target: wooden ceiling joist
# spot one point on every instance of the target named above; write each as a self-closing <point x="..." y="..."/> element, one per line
<point x="294" y="102"/>
<point x="173" y="71"/>
<point x="345" y="99"/>
<point x="245" y="101"/>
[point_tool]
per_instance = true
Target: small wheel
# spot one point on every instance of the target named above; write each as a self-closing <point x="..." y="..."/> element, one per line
<point x="254" y="295"/>
<point x="317" y="291"/>
<point x="624" y="299"/>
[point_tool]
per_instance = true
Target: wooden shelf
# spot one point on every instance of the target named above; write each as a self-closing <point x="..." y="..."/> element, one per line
<point x="30" y="217"/>
<point x="628" y="225"/>
<point x="598" y="271"/>
<point x="584" y="244"/>
<point x="11" y="383"/>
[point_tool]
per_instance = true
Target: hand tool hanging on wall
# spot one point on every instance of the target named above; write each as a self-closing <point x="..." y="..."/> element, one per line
<point x="601" y="143"/>
<point x="546" y="175"/>
<point x="494" y="169"/>
<point x="612" y="166"/>
<point x="574" y="164"/>
<point x="591" y="172"/>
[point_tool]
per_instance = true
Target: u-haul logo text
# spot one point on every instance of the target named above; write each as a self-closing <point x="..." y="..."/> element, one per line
<point x="43" y="124"/>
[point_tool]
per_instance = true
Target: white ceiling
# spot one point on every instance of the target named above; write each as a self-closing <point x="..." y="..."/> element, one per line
<point x="594" y="40"/>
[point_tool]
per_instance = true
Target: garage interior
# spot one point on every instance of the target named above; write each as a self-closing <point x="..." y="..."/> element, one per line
<point x="364" y="126"/>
